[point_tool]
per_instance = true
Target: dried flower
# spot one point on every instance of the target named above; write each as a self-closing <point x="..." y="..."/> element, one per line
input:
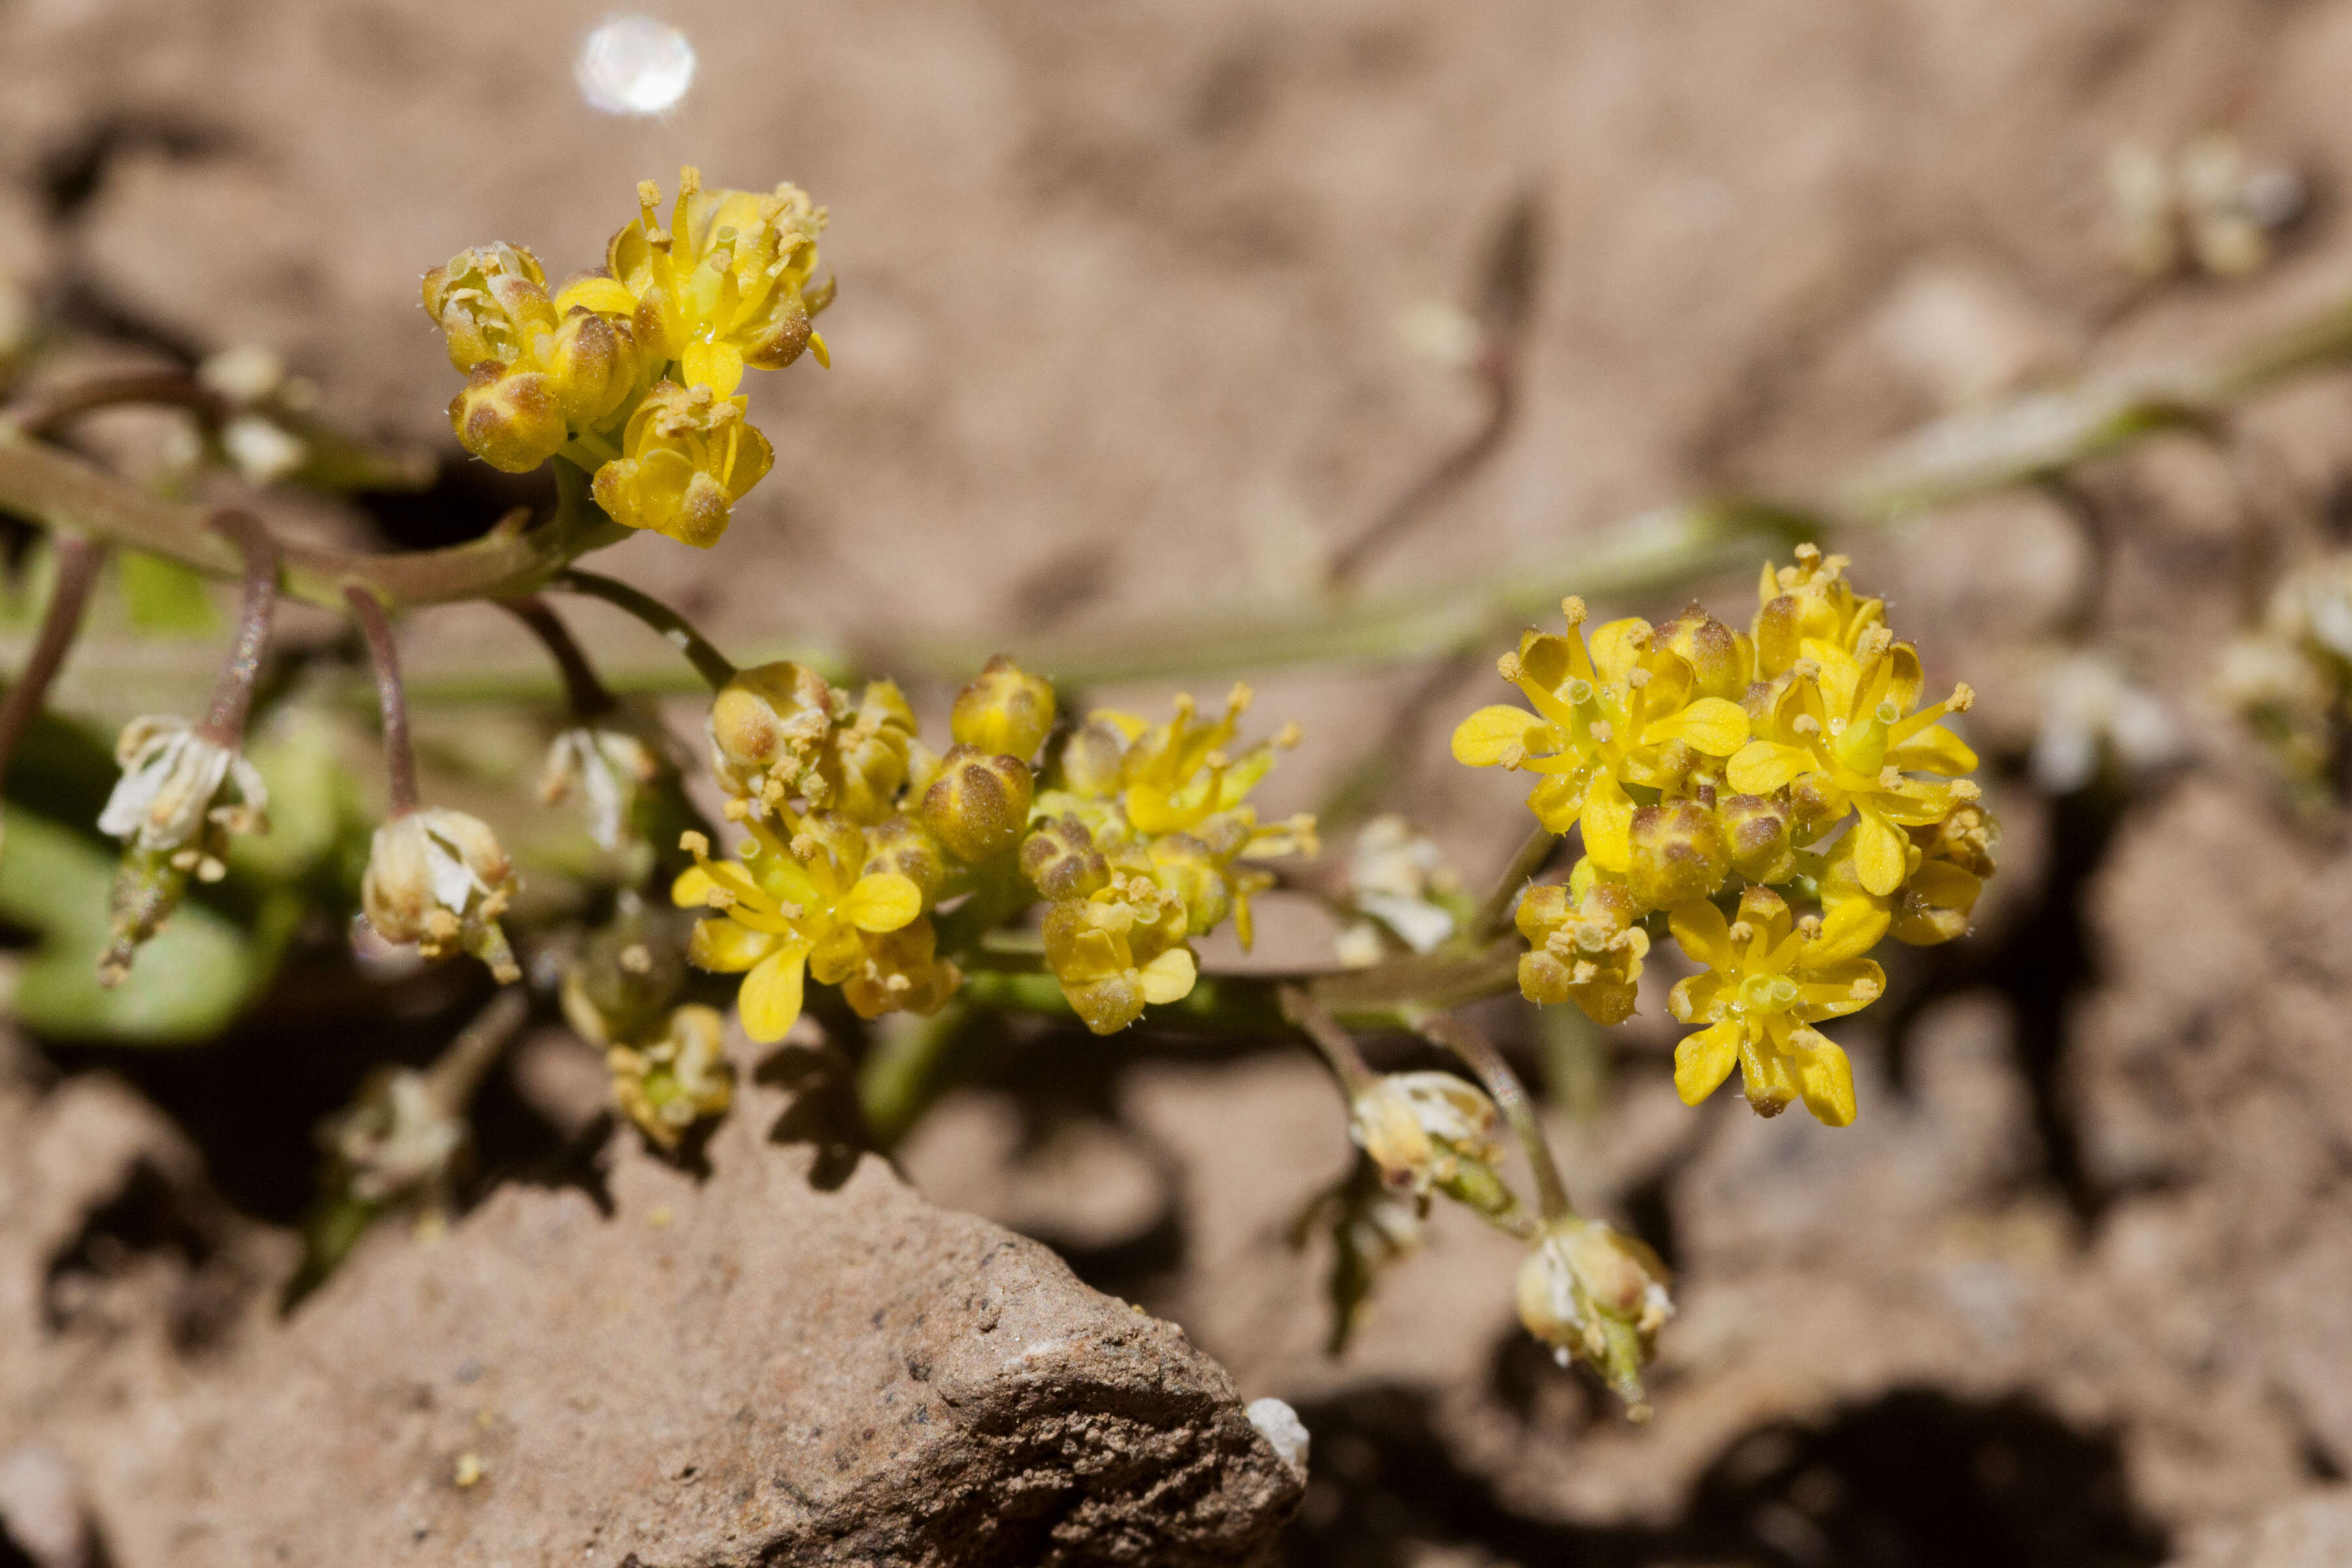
<point x="606" y="769"/>
<point x="668" y="1084"/>
<point x="183" y="792"/>
<point x="1588" y="1289"/>
<point x="438" y="879"/>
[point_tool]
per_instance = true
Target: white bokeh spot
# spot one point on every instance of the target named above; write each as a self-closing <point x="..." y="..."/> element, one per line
<point x="635" y="65"/>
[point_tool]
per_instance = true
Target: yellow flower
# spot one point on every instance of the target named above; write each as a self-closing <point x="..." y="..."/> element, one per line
<point x="1810" y="602"/>
<point x="538" y="369"/>
<point x="1843" y="725"/>
<point x="1119" y="949"/>
<point x="727" y="284"/>
<point x="791" y="906"/>
<point x="687" y="457"/>
<point x="1625" y="711"/>
<point x="1583" y="946"/>
<point x="1769" y="980"/>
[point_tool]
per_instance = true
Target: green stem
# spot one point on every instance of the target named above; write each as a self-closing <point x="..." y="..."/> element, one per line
<point x="1315" y="1021"/>
<point x="1510" y="1097"/>
<point x="676" y="629"/>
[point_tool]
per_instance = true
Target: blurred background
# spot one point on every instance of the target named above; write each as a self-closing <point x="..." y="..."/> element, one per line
<point x="1155" y="307"/>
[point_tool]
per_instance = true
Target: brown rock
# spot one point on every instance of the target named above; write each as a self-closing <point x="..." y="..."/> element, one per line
<point x="792" y="1359"/>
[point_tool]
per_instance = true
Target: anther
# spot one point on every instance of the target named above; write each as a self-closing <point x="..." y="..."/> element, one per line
<point x="1964" y="697"/>
<point x="1573" y="608"/>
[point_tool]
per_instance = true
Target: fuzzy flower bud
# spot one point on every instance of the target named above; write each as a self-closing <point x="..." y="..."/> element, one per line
<point x="1428" y="1130"/>
<point x="1060" y="858"/>
<point x="900" y="843"/>
<point x="1756" y="833"/>
<point x="1677" y="855"/>
<point x="438" y="879"/>
<point x="1004" y="711"/>
<point x="489" y="304"/>
<point x="680" y="1079"/>
<point x="1722" y="661"/>
<point x="771" y="721"/>
<point x="509" y="419"/>
<point x="1118" y="950"/>
<point x="687" y="456"/>
<point x="1590" y="1290"/>
<point x="978" y="804"/>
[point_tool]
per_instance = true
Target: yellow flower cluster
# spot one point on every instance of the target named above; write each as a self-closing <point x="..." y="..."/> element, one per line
<point x="857" y="832"/>
<point x="1760" y="797"/>
<point x="1143" y="841"/>
<point x="630" y="371"/>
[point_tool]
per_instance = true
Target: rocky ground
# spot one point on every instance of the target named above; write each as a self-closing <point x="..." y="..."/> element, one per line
<point x="1118" y="330"/>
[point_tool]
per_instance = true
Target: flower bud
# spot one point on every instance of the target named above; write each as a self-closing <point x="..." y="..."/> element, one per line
<point x="900" y="970"/>
<point x="1677" y="855"/>
<point x="593" y="365"/>
<point x="677" y="1080"/>
<point x="488" y="302"/>
<point x="767" y="726"/>
<point x="866" y="760"/>
<point x="1584" y="948"/>
<point x="1721" y="659"/>
<point x="438" y="879"/>
<point x="687" y="455"/>
<point x="1092" y="760"/>
<point x="1423" y="1128"/>
<point x="509" y="419"/>
<point x="1588" y="1290"/>
<point x="900" y="843"/>
<point x="1755" y="833"/>
<point x="1004" y="711"/>
<point x="979" y="803"/>
<point x="1061" y="860"/>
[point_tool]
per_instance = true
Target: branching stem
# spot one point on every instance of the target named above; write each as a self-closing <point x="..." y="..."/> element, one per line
<point x="391" y="698"/>
<point x="233" y="697"/>
<point x="1315" y="1021"/>
<point x="44" y="418"/>
<point x="1510" y="1097"/>
<point x="711" y="664"/>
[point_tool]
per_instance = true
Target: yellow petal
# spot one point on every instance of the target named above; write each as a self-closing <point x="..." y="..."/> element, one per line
<point x="1933" y="750"/>
<point x="1824" y="1077"/>
<point x="1170" y="976"/>
<point x="1710" y="725"/>
<point x="692" y="888"/>
<point x="1701" y="931"/>
<point x="605" y="296"/>
<point x="1558" y="800"/>
<point x="770" y="1001"/>
<point x="719" y="366"/>
<point x="816" y="347"/>
<point x="1493" y="735"/>
<point x="1760" y="767"/>
<point x="1880" y="853"/>
<point x="727" y="947"/>
<point x="1705" y="1059"/>
<point x="1608" y="821"/>
<point x="1618" y="647"/>
<point x="1849" y="928"/>
<point x="883" y="901"/>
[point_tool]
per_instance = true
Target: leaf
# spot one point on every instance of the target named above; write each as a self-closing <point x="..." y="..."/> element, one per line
<point x="186" y="986"/>
<point x="165" y="596"/>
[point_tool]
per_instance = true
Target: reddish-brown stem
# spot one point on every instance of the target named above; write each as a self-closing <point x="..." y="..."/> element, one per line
<point x="587" y="695"/>
<point x="1510" y="1097"/>
<point x="399" y="756"/>
<point x="78" y="564"/>
<point x="44" y="417"/>
<point x="233" y="697"/>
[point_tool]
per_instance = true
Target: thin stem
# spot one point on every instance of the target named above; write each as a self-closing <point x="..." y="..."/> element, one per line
<point x="233" y="697"/>
<point x="391" y="698"/>
<point x="1481" y="1057"/>
<point x="1315" y="1021"/>
<point x="1497" y="367"/>
<point x="1494" y="914"/>
<point x="43" y="417"/>
<point x="586" y="694"/>
<point x="679" y="633"/>
<point x="458" y="1073"/>
<point x="78" y="564"/>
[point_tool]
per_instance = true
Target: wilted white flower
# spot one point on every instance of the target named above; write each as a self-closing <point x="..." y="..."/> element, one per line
<point x="398" y="1139"/>
<point x="438" y="878"/>
<point x="607" y="768"/>
<point x="1588" y="1289"/>
<point x="1394" y="875"/>
<point x="1421" y="1128"/>
<point x="182" y="793"/>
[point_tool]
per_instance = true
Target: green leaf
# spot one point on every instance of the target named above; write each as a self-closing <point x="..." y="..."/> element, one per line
<point x="165" y="596"/>
<point x="186" y="986"/>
